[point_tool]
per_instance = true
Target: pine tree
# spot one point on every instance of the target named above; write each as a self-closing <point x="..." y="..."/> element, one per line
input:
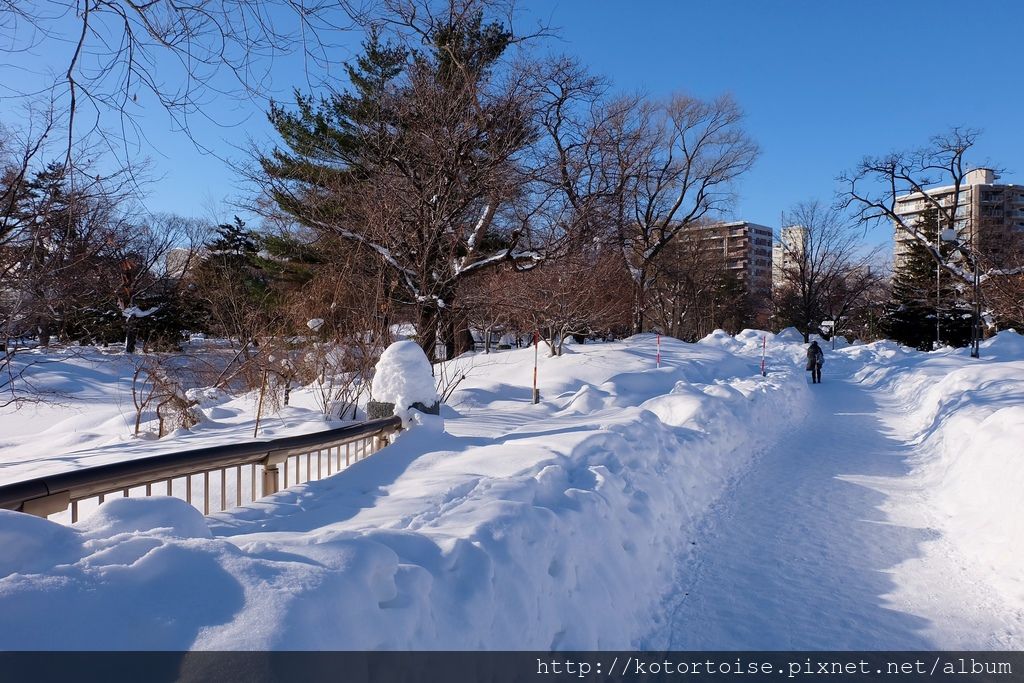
<point x="247" y="277"/>
<point x="58" y="244"/>
<point x="916" y="300"/>
<point x="232" y="283"/>
<point x="417" y="163"/>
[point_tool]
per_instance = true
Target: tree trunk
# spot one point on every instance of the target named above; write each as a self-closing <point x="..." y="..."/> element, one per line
<point x="463" y="338"/>
<point x="457" y="338"/>
<point x="639" y="303"/>
<point x="131" y="336"/>
<point x="427" y="319"/>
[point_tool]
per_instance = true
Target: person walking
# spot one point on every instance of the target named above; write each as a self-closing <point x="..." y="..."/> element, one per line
<point x="815" y="359"/>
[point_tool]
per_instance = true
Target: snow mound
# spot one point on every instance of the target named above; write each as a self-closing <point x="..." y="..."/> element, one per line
<point x="682" y="406"/>
<point x="748" y="336"/>
<point x="719" y="338"/>
<point x="162" y="516"/>
<point x="1007" y="345"/>
<point x="967" y="418"/>
<point x="790" y="334"/>
<point x="404" y="377"/>
<point x="31" y="544"/>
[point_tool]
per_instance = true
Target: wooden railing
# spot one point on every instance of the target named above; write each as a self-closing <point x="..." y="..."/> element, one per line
<point x="213" y="478"/>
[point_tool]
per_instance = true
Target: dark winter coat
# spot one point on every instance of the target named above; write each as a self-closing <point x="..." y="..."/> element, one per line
<point x="815" y="356"/>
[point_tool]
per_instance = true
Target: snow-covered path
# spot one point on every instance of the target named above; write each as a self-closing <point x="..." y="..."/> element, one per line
<point x="822" y="545"/>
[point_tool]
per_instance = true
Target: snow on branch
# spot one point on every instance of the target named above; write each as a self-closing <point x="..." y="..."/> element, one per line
<point x="136" y="312"/>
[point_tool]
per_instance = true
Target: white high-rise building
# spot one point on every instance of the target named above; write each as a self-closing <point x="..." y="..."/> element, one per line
<point x="785" y="252"/>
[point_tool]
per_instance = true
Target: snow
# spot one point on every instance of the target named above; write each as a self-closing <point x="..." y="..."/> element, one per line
<point x="88" y="416"/>
<point x="790" y="334"/>
<point x="696" y="505"/>
<point x="403" y="376"/>
<point x="966" y="418"/>
<point x="136" y="312"/>
<point x="889" y="519"/>
<point x="449" y="538"/>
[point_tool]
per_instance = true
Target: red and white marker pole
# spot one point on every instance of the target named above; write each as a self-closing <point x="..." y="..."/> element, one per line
<point x="658" y="356"/>
<point x="536" y="352"/>
<point x="764" y="346"/>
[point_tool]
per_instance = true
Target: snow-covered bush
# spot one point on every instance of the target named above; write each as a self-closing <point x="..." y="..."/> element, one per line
<point x="404" y="377"/>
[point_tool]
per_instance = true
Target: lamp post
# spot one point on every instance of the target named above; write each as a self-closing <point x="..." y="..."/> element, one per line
<point x="938" y="284"/>
<point x="951" y="236"/>
<point x="976" y="324"/>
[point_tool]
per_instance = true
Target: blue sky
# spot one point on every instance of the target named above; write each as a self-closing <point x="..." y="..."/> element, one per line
<point x="822" y="84"/>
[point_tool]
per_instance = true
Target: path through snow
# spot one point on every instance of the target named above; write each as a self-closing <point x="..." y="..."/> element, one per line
<point x="823" y="545"/>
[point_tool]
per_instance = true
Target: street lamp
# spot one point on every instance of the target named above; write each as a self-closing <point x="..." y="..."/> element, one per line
<point x="941" y="234"/>
<point x="976" y="323"/>
<point x="950" y="236"/>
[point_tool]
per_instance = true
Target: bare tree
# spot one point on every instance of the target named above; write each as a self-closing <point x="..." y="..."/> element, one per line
<point x="580" y="295"/>
<point x="626" y="171"/>
<point x="58" y="224"/>
<point x="52" y="222"/>
<point x="159" y="386"/>
<point x="693" y="292"/>
<point x="826" y="270"/>
<point x="873" y="188"/>
<point x="151" y="261"/>
<point x="589" y="152"/>
<point x="105" y="60"/>
<point x="698" y="149"/>
<point x="143" y="393"/>
<point x="343" y="316"/>
<point x="480" y="299"/>
<point x="1005" y="295"/>
<point x="18" y="150"/>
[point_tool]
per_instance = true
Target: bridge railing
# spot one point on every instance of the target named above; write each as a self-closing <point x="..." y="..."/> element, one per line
<point x="212" y="479"/>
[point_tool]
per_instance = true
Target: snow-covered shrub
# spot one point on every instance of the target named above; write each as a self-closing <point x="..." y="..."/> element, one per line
<point x="404" y="377"/>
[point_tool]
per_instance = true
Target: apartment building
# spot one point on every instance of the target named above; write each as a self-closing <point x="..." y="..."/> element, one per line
<point x="747" y="248"/>
<point x="989" y="216"/>
<point x="786" y="252"/>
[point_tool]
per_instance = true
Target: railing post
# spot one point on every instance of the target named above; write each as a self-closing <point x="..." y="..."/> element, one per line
<point x="269" y="477"/>
<point x="47" y="505"/>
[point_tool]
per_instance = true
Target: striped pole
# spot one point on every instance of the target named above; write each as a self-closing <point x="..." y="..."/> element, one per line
<point x="659" y="350"/>
<point x="536" y="353"/>
<point x="764" y="346"/>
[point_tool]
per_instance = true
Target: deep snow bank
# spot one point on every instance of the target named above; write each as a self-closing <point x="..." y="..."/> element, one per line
<point x="968" y="417"/>
<point x="520" y="526"/>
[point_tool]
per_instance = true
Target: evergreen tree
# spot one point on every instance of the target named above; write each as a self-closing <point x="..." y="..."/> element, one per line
<point x="910" y="314"/>
<point x="416" y="164"/>
<point x="234" y="241"/>
<point x="732" y="302"/>
<point x="58" y="243"/>
<point x="247" y="276"/>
